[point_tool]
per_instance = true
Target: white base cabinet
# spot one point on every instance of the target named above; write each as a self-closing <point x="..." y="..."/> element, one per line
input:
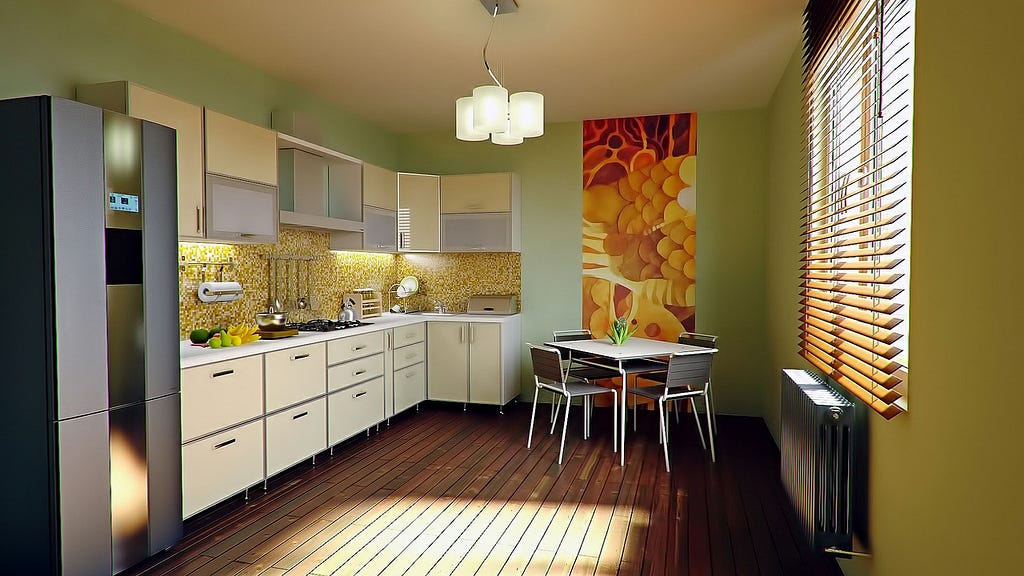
<point x="354" y="409"/>
<point x="218" y="466"/>
<point x="409" y="375"/>
<point x="296" y="434"/>
<point x="473" y="362"/>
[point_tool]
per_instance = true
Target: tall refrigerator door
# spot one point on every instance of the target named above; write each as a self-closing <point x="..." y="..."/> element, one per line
<point x="80" y="311"/>
<point x="160" y="255"/>
<point x="84" y="476"/>
<point x="163" y="441"/>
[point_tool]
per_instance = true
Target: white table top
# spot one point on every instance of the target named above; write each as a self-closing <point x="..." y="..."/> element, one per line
<point x="632" y="349"/>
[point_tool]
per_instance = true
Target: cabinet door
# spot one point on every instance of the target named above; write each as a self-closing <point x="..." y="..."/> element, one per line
<point x="219" y="395"/>
<point x="447" y="361"/>
<point x="380" y="187"/>
<point x="296" y="434"/>
<point x="187" y="120"/>
<point x="352" y="347"/>
<point x="294" y="375"/>
<point x="410" y="386"/>
<point x="485" y="362"/>
<point x="354" y="409"/>
<point x="220" y="465"/>
<point x="240" y="149"/>
<point x="381" y="229"/>
<point x="419" y="213"/>
<point x="484" y="232"/>
<point x="409" y="355"/>
<point x="467" y="193"/>
<point x="239" y="211"/>
<point x="348" y="373"/>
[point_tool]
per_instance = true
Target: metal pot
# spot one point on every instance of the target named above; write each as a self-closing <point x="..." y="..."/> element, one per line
<point x="271" y="320"/>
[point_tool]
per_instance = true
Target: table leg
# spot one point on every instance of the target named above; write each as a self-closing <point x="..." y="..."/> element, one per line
<point x="622" y="419"/>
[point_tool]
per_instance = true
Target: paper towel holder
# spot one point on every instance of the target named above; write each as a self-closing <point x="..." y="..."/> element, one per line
<point x="230" y="263"/>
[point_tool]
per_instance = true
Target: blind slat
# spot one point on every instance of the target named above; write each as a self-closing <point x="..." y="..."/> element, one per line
<point x="880" y="305"/>
<point x="868" y="355"/>
<point x="882" y="250"/>
<point x="881" y="348"/>
<point x="886" y="321"/>
<point x="887" y="395"/>
<point x="862" y="328"/>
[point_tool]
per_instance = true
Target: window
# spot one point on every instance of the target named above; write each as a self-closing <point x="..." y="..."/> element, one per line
<point x="858" y="96"/>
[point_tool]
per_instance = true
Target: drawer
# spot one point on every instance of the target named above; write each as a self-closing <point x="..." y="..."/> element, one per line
<point x="219" y="395"/>
<point x="411" y="334"/>
<point x="296" y="434"/>
<point x="410" y="386"/>
<point x="343" y="375"/>
<point x="223" y="464"/>
<point x="294" y="375"/>
<point x="409" y="355"/>
<point x="345" y="349"/>
<point x="354" y="409"/>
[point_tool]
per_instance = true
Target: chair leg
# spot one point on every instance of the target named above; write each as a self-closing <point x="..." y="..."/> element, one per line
<point x="615" y="420"/>
<point x="586" y="427"/>
<point x="696" y="418"/>
<point x="663" y="424"/>
<point x="711" y="437"/>
<point x="675" y="409"/>
<point x="565" y="426"/>
<point x="711" y="404"/>
<point x="533" y="414"/>
<point x="554" y="414"/>
<point x="634" y="412"/>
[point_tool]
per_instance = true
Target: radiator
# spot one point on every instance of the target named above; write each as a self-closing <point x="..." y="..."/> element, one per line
<point x="817" y="447"/>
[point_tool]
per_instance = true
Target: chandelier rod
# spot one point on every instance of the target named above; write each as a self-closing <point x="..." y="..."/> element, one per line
<point x="486" y="65"/>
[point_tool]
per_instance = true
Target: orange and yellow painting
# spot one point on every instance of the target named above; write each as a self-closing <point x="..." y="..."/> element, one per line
<point x="640" y="224"/>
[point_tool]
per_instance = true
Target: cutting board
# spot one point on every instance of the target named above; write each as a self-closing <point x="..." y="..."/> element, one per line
<point x="275" y="334"/>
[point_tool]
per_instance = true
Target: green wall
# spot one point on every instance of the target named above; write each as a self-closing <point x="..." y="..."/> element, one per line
<point x="51" y="46"/>
<point x="945" y="479"/>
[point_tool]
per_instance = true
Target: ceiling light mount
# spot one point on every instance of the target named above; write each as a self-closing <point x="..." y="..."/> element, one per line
<point x="491" y="112"/>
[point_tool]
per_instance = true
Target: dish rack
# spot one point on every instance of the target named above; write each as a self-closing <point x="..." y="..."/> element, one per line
<point x="367" y="302"/>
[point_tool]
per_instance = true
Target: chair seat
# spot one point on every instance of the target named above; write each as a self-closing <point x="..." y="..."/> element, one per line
<point x="577" y="388"/>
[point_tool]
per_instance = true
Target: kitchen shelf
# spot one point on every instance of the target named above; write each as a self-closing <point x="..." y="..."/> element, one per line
<point x="319" y="223"/>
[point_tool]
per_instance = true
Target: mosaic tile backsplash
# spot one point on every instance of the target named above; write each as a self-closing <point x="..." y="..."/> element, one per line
<point x="446" y="278"/>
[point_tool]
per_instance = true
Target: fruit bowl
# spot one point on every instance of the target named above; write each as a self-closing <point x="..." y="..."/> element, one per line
<point x="271" y="320"/>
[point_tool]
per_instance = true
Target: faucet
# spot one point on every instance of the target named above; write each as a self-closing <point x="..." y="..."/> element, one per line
<point x="440" y="308"/>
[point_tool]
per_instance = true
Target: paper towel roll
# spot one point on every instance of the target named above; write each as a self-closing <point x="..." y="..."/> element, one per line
<point x="220" y="291"/>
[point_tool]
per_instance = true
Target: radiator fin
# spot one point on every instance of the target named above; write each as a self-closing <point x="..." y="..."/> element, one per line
<point x="817" y="458"/>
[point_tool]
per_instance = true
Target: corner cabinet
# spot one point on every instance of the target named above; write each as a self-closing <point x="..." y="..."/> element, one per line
<point x="480" y="213"/>
<point x="380" y="209"/>
<point x="473" y="362"/>
<point x="186" y="119"/>
<point x="419" y="212"/>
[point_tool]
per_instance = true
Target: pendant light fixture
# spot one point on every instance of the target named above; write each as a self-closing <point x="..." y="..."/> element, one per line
<point x="490" y="112"/>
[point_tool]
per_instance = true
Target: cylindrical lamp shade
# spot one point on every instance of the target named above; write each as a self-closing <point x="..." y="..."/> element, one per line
<point x="506" y="138"/>
<point x="526" y="112"/>
<point x="490" y="109"/>
<point x="464" y="121"/>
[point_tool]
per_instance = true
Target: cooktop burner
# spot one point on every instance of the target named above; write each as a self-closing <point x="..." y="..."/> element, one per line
<point x="326" y="325"/>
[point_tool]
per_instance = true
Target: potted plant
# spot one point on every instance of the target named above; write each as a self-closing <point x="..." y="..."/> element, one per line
<point x="620" y="331"/>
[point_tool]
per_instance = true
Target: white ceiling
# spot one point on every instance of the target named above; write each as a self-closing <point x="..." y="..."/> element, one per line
<point x="402" y="63"/>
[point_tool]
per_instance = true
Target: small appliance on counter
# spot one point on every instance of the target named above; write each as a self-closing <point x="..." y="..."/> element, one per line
<point x="366" y="301"/>
<point x="499" y="305"/>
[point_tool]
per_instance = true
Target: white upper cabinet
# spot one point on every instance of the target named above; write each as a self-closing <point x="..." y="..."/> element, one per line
<point x="380" y="187"/>
<point x="467" y="193"/>
<point x="187" y="121"/>
<point x="380" y="209"/>
<point x="419" y="212"/>
<point x="480" y="213"/>
<point x="240" y="150"/>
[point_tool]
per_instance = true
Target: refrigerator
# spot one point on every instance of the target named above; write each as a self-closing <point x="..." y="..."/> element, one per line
<point x="91" y="429"/>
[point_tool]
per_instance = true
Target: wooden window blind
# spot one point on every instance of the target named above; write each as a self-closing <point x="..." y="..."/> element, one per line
<point x="858" y="96"/>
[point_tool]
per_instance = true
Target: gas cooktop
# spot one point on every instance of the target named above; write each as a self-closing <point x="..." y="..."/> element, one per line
<point x="326" y="325"/>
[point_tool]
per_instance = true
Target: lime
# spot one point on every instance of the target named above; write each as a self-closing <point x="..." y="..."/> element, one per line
<point x="215" y="343"/>
<point x="199" y="336"/>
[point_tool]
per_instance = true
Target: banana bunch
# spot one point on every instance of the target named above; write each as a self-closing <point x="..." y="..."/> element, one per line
<point x="243" y="333"/>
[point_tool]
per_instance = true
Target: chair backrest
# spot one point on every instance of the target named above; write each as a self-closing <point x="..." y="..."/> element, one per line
<point x="568" y="335"/>
<point x="547" y="364"/>
<point x="688" y="370"/>
<point x="695" y="339"/>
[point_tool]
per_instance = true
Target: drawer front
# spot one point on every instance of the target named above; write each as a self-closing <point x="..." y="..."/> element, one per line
<point x="294" y="375"/>
<point x="405" y="335"/>
<point x="223" y="464"/>
<point x="219" y="395"/>
<point x="343" y="375"/>
<point x="354" y="409"/>
<point x="409" y="355"/>
<point x="345" y="349"/>
<point x="296" y="434"/>
<point x="410" y="386"/>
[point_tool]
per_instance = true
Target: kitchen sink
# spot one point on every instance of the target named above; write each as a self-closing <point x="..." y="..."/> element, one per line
<point x="436" y="313"/>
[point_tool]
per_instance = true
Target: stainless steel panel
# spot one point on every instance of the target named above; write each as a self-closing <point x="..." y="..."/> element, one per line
<point x="126" y="344"/>
<point x="129" y="487"/>
<point x="84" y="476"/>
<point x="122" y="158"/>
<point x="160" y="255"/>
<point x="78" y="252"/>
<point x="163" y="441"/>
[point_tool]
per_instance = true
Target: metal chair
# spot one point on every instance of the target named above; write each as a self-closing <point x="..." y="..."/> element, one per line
<point x="704" y="341"/>
<point x="586" y="372"/>
<point x="688" y="376"/>
<point x="549" y="374"/>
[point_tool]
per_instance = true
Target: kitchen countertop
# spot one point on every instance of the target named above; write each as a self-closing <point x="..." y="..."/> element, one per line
<point x="192" y="356"/>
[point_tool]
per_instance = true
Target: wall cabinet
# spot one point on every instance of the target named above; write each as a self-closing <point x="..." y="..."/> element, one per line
<point x="419" y="213"/>
<point x="480" y="213"/>
<point x="473" y="362"/>
<point x="295" y="434"/>
<point x="320" y="186"/>
<point x="187" y="120"/>
<point x="239" y="149"/>
<point x="380" y="209"/>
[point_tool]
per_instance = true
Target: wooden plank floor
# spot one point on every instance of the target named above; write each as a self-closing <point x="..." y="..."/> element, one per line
<point x="450" y="492"/>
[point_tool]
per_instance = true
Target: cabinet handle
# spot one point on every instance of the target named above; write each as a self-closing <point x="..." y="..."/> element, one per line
<point x="462" y="333"/>
<point x="387" y="341"/>
<point x="358" y="394"/>
<point x="300" y="356"/>
<point x="199" y="219"/>
<point x="410" y="356"/>
<point x="472" y="333"/>
<point x="297" y="416"/>
<point x="225" y="443"/>
<point x="223" y="373"/>
<point x="410" y="374"/>
<point x="359" y="372"/>
<point x="358" y="348"/>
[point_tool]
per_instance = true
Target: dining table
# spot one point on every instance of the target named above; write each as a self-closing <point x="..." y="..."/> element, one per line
<point x="634" y="356"/>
